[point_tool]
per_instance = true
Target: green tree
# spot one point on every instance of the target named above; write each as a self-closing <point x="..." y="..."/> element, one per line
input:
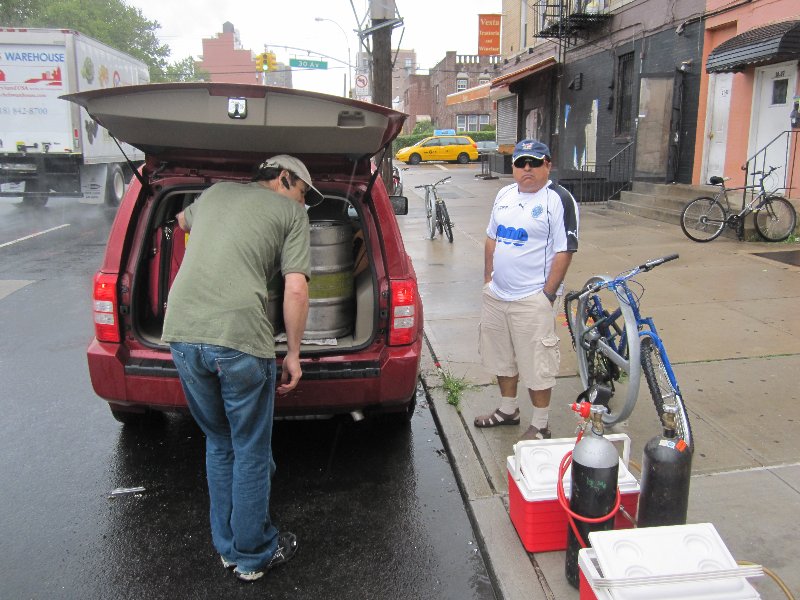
<point x="110" y="21"/>
<point x="423" y="128"/>
<point x="186" y="70"/>
<point x="18" y="12"/>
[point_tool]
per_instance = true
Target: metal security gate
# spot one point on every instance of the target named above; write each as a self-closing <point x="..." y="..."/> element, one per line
<point x="507" y="120"/>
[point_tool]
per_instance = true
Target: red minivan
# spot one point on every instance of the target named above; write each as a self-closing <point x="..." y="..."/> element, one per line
<point x="363" y="340"/>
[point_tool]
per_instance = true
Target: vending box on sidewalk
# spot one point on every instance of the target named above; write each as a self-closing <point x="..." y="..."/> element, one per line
<point x="536" y="513"/>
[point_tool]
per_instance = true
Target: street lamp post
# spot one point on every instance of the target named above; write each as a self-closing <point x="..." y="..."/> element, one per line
<point x="348" y="87"/>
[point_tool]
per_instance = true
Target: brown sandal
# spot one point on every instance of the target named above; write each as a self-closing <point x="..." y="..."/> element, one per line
<point x="497" y="418"/>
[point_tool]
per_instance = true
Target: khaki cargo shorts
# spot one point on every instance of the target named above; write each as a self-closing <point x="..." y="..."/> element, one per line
<point x="519" y="338"/>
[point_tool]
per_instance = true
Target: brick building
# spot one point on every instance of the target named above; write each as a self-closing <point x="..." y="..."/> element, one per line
<point x="226" y="61"/>
<point x="456" y="74"/>
<point x="416" y="101"/>
<point x="606" y="83"/>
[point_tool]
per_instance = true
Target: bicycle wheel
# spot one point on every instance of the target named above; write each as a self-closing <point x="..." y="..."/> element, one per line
<point x="607" y="353"/>
<point x="703" y="219"/>
<point x="654" y="366"/>
<point x="445" y="222"/>
<point x="776" y="220"/>
<point x="439" y="218"/>
<point x="431" y="218"/>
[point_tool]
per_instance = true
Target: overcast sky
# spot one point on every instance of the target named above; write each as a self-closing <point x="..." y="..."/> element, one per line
<point x="431" y="27"/>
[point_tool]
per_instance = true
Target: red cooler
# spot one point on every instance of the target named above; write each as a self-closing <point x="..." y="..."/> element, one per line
<point x="538" y="517"/>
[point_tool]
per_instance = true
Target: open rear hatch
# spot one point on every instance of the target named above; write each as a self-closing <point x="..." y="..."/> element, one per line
<point x="206" y="123"/>
<point x="202" y="132"/>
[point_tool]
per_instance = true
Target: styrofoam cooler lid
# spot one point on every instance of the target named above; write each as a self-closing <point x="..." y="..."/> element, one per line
<point x="669" y="550"/>
<point x="536" y="466"/>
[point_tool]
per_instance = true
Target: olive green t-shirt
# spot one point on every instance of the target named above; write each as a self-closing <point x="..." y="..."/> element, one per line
<point x="240" y="235"/>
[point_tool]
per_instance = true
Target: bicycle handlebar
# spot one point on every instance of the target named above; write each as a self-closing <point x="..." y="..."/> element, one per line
<point x="594" y="287"/>
<point x="652" y="264"/>
<point x="432" y="185"/>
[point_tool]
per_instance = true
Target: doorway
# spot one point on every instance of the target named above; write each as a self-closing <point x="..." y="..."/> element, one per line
<point x="719" y="93"/>
<point x="773" y="91"/>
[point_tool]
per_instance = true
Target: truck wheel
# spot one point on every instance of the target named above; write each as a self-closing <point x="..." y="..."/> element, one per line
<point x="115" y="185"/>
<point x="35" y="194"/>
<point x="414" y="159"/>
<point x="34" y="201"/>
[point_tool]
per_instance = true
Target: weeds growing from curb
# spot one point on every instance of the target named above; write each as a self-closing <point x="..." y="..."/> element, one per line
<point x="454" y="386"/>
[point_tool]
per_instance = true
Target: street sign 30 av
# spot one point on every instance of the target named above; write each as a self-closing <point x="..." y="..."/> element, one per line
<point x="304" y="63"/>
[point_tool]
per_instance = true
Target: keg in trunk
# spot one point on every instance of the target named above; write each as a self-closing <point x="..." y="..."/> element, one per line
<point x="331" y="293"/>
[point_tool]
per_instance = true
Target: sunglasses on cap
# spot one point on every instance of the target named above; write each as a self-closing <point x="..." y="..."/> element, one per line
<point x="534" y="163"/>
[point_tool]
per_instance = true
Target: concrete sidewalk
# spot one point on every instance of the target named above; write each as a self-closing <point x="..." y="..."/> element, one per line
<point x="729" y="321"/>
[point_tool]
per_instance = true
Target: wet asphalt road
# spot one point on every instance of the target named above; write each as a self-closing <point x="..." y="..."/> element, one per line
<point x="377" y="510"/>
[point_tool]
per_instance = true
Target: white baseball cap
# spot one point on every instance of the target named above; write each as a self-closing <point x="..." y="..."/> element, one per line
<point x="296" y="166"/>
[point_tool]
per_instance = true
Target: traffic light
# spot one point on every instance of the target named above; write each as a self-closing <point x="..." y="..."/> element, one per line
<point x="259" y="62"/>
<point x="272" y="63"/>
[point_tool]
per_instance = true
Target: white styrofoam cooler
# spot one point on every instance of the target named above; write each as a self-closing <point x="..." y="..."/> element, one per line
<point x="535" y="464"/>
<point x="690" y="562"/>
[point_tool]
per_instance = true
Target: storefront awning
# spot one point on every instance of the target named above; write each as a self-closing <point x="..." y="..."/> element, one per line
<point x="476" y="93"/>
<point x="510" y="78"/>
<point x="768" y="44"/>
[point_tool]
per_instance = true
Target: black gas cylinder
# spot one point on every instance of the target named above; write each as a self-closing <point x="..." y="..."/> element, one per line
<point x="666" y="473"/>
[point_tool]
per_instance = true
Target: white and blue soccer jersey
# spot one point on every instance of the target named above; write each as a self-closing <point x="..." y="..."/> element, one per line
<point x="529" y="230"/>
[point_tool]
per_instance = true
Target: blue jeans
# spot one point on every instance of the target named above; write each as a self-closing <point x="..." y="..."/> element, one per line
<point x="231" y="395"/>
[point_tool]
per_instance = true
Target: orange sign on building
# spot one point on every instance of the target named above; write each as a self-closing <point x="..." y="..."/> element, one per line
<point x="488" y="35"/>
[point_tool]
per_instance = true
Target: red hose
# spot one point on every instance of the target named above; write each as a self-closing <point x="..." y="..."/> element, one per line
<point x="562" y="498"/>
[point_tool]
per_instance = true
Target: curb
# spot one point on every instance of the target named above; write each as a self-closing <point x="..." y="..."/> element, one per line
<point x="514" y="573"/>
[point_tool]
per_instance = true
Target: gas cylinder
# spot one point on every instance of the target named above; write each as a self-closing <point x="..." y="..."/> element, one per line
<point x="666" y="471"/>
<point x="595" y="469"/>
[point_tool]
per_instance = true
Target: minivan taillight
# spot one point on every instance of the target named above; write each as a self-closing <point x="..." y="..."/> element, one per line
<point x="105" y="308"/>
<point x="403" y="312"/>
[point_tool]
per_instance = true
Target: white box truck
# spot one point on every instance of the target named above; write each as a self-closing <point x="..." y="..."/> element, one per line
<point x="51" y="147"/>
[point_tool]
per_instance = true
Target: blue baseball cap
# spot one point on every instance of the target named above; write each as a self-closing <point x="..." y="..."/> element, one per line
<point x="533" y="148"/>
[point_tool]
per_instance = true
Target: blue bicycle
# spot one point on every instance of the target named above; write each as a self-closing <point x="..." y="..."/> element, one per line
<point x="601" y="317"/>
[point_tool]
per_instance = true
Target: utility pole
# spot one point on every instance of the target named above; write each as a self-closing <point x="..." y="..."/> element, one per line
<point x="382" y="13"/>
<point x="381" y="52"/>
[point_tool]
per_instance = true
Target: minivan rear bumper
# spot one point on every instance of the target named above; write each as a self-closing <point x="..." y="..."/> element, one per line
<point x="377" y="381"/>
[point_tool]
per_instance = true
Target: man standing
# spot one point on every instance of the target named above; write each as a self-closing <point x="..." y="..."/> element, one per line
<point x="223" y="347"/>
<point x="532" y="233"/>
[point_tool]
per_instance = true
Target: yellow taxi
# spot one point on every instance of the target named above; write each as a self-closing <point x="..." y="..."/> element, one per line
<point x="452" y="148"/>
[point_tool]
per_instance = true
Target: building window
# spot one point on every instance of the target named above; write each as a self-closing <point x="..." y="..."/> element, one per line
<point x="780" y="91"/>
<point x="436" y="94"/>
<point x="624" y="95"/>
<point x="461" y="85"/>
<point x="471" y="122"/>
<point x="543" y="17"/>
<point x="409" y="63"/>
<point x="483" y="80"/>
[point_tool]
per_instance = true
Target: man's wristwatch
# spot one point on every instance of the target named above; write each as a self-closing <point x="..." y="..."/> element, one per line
<point x="549" y="296"/>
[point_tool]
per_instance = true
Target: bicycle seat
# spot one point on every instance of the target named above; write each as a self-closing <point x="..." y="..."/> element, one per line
<point x="716" y="180"/>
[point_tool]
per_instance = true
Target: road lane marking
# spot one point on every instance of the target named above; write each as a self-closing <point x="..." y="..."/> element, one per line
<point x="33" y="235"/>
<point x="9" y="286"/>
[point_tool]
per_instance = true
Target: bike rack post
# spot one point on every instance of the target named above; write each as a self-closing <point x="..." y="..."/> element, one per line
<point x="486" y="171"/>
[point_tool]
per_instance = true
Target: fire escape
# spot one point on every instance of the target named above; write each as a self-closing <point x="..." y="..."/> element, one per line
<point x="569" y="21"/>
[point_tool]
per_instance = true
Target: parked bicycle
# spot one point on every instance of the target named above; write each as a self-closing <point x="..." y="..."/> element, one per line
<point x="704" y="218"/>
<point x="617" y="342"/>
<point x="436" y="211"/>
